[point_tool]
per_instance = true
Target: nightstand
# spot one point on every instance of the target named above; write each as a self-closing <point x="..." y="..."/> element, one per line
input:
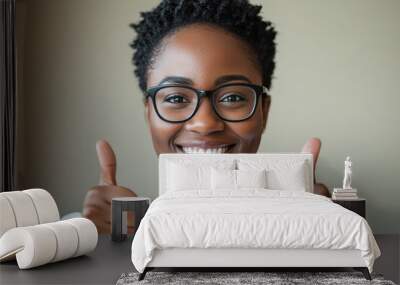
<point x="120" y="206"/>
<point x="356" y="205"/>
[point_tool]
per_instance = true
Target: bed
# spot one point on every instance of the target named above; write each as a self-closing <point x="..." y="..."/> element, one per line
<point x="245" y="211"/>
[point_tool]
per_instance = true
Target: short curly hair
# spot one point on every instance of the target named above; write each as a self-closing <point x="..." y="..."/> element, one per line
<point x="236" y="16"/>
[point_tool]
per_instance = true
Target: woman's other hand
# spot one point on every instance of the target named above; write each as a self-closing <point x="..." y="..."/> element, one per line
<point x="97" y="203"/>
<point x="313" y="146"/>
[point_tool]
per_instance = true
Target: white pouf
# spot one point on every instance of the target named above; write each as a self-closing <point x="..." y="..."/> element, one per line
<point x="40" y="244"/>
<point x="31" y="232"/>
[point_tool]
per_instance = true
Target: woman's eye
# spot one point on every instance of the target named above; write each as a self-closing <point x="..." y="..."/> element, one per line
<point x="176" y="99"/>
<point x="232" y="98"/>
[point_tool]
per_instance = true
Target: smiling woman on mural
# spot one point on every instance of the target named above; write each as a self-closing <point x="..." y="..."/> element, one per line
<point x="205" y="68"/>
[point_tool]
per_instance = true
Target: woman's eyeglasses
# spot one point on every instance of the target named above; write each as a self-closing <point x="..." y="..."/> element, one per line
<point x="233" y="102"/>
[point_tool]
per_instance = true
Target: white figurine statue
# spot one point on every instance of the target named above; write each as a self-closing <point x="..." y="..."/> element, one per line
<point x="347" y="174"/>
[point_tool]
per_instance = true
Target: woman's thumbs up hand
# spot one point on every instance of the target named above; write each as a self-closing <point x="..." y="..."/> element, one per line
<point x="97" y="203"/>
<point x="108" y="163"/>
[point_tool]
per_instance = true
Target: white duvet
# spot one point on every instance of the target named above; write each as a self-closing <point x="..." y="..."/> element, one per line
<point x="251" y="218"/>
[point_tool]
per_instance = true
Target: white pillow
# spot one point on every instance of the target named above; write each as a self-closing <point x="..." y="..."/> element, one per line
<point x="223" y="179"/>
<point x="237" y="179"/>
<point x="187" y="174"/>
<point x="293" y="178"/>
<point x="251" y="178"/>
<point x="182" y="178"/>
<point x="281" y="174"/>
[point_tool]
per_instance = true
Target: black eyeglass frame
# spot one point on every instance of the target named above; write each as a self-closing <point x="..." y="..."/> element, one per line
<point x="258" y="89"/>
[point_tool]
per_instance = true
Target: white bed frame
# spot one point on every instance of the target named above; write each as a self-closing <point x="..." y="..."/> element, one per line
<point x="249" y="257"/>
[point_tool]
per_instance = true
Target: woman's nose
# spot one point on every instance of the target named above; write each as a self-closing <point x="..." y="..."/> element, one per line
<point x="205" y="121"/>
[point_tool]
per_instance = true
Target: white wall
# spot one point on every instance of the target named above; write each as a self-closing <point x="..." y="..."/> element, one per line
<point x="337" y="78"/>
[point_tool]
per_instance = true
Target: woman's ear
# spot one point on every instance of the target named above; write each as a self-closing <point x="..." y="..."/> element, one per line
<point x="265" y="104"/>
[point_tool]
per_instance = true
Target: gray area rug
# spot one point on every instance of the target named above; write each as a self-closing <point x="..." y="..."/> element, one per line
<point x="226" y="278"/>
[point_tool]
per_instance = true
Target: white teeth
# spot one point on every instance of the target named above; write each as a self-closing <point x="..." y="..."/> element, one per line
<point x="193" y="150"/>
